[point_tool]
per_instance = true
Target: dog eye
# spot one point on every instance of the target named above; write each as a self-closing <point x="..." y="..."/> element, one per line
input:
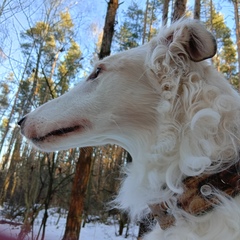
<point x="95" y="74"/>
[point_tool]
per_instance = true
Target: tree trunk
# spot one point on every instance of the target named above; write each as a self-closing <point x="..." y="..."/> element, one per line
<point x="13" y="158"/>
<point x="122" y="222"/>
<point x="79" y="189"/>
<point x="31" y="96"/>
<point x="145" y="226"/>
<point x="179" y="9"/>
<point x="83" y="168"/>
<point x="236" y="13"/>
<point x="9" y="121"/>
<point x="49" y="81"/>
<point x="197" y="7"/>
<point x="165" y="12"/>
<point x="108" y="29"/>
<point x="51" y="171"/>
<point x="151" y="23"/>
<point x="145" y="22"/>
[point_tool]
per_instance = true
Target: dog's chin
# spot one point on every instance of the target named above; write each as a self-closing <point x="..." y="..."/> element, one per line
<point x="52" y="147"/>
<point x="74" y="139"/>
<point x="57" y="143"/>
<point x="45" y="147"/>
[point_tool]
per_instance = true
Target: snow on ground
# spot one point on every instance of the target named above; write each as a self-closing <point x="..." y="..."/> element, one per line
<point x="56" y="226"/>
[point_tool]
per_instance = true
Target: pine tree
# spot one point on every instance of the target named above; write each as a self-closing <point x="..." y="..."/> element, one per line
<point x="4" y="94"/>
<point x="78" y="194"/>
<point x="131" y="31"/>
<point x="49" y="40"/>
<point x="151" y="23"/>
<point x="80" y="182"/>
<point x="108" y="29"/>
<point x="197" y="7"/>
<point x="52" y="61"/>
<point x="165" y="12"/>
<point x="225" y="59"/>
<point x="179" y="9"/>
<point x="4" y="103"/>
<point x="139" y="25"/>
<point x="237" y="30"/>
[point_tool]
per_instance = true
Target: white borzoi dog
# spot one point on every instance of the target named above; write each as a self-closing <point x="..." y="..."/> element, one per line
<point x="177" y="117"/>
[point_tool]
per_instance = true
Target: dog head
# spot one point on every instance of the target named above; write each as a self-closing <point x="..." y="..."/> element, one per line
<point x="137" y="97"/>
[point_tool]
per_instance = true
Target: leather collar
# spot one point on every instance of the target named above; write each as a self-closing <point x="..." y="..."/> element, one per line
<point x="198" y="197"/>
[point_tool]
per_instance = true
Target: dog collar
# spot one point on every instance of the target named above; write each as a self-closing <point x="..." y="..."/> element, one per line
<point x="198" y="197"/>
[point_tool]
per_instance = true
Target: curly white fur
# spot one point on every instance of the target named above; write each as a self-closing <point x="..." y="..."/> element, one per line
<point x="199" y="123"/>
<point x="171" y="110"/>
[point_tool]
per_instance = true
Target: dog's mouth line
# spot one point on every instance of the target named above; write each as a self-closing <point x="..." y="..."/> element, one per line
<point x="58" y="132"/>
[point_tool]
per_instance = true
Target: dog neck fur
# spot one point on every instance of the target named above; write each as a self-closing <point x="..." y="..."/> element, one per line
<point x="198" y="123"/>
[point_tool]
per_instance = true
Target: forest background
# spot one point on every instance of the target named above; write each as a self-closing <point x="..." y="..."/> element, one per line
<point x="47" y="47"/>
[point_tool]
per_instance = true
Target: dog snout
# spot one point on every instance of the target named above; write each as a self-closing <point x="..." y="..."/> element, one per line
<point x="21" y="122"/>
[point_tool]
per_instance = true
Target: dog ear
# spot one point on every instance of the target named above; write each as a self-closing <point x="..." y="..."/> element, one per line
<point x="199" y="43"/>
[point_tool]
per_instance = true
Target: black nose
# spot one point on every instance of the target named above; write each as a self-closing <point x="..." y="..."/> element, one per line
<point x="20" y="123"/>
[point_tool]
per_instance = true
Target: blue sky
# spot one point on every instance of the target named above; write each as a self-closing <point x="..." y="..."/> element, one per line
<point x="88" y="15"/>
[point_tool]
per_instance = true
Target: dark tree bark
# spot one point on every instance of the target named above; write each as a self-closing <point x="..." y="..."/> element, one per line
<point x="122" y="222"/>
<point x="236" y="14"/>
<point x="165" y="12"/>
<point x="83" y="168"/>
<point x="145" y="225"/>
<point x="197" y="7"/>
<point x="179" y="9"/>
<point x="79" y="188"/>
<point x="145" y="22"/>
<point x="108" y="29"/>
